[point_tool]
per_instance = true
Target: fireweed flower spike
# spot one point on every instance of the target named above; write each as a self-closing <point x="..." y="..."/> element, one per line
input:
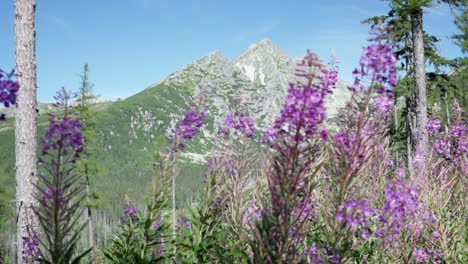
<point x="188" y="127"/>
<point x="400" y="205"/>
<point x="59" y="192"/>
<point x="129" y="211"/>
<point x="64" y="134"/>
<point x="295" y="163"/>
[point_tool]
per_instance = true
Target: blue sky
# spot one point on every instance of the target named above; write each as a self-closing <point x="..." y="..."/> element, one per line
<point x="131" y="44"/>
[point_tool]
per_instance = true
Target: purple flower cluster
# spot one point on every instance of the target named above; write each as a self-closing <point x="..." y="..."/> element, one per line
<point x="312" y="253"/>
<point x="252" y="214"/>
<point x="400" y="205"/>
<point x="419" y="158"/>
<point x="182" y="223"/>
<point x="31" y="247"/>
<point x="304" y="210"/>
<point x="384" y="102"/>
<point x="318" y="77"/>
<point x="190" y="125"/>
<point x="156" y="224"/>
<point x="355" y="214"/>
<point x="378" y="63"/>
<point x="426" y="256"/>
<point x="346" y="143"/>
<point x="217" y="203"/>
<point x="330" y="77"/>
<point x="453" y="144"/>
<point x="302" y="112"/>
<point x="8" y="90"/>
<point x="433" y="126"/>
<point x="129" y="211"/>
<point x="63" y="134"/>
<point x="238" y="122"/>
<point x="52" y="197"/>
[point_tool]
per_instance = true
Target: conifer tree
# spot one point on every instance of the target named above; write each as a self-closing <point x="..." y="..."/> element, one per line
<point x="87" y="167"/>
<point x="414" y="48"/>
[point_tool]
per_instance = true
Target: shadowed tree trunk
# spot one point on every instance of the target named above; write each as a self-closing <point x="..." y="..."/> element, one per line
<point x="420" y="100"/>
<point x="25" y="124"/>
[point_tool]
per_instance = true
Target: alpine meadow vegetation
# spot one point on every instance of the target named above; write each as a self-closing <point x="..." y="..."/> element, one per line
<point x="307" y="189"/>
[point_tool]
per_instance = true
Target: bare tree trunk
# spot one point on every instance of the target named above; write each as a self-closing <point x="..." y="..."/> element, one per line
<point x="25" y="124"/>
<point x="409" y="159"/>
<point x="447" y="110"/>
<point x="419" y="133"/>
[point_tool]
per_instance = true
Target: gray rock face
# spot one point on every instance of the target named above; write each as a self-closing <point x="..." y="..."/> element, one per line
<point x="256" y="83"/>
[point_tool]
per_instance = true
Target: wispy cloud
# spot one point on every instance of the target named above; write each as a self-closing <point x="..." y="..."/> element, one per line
<point x="60" y="23"/>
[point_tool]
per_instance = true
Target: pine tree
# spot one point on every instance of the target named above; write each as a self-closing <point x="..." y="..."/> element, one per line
<point x="87" y="167"/>
<point x="414" y="48"/>
<point x="461" y="21"/>
<point x="25" y="123"/>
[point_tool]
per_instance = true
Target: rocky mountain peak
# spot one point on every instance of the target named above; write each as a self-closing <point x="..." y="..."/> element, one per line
<point x="263" y="60"/>
<point x="214" y="57"/>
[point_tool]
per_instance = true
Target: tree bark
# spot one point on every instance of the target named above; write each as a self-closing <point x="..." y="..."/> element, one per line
<point x="420" y="135"/>
<point x="25" y="123"/>
<point x="409" y="159"/>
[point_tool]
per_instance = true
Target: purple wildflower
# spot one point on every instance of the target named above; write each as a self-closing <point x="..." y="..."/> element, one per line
<point x="377" y="62"/>
<point x="330" y="77"/>
<point x="52" y="197"/>
<point x="8" y="90"/>
<point x="335" y="258"/>
<point x="384" y="103"/>
<point x="31" y="247"/>
<point x="453" y="145"/>
<point x="313" y="254"/>
<point x="252" y="214"/>
<point x="355" y="214"/>
<point x="63" y="134"/>
<point x="426" y="256"/>
<point x="190" y="125"/>
<point x="459" y="136"/>
<point x="182" y="223"/>
<point x="129" y="211"/>
<point x="420" y="255"/>
<point x="302" y="112"/>
<point x="324" y="134"/>
<point x="400" y="205"/>
<point x="400" y="173"/>
<point x="419" y="158"/>
<point x="442" y="147"/>
<point x="217" y="203"/>
<point x="270" y="136"/>
<point x="304" y="211"/>
<point x="238" y="123"/>
<point x="433" y="126"/>
<point x="156" y="224"/>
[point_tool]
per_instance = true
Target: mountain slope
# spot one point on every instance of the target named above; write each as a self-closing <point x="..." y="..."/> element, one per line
<point x="129" y="132"/>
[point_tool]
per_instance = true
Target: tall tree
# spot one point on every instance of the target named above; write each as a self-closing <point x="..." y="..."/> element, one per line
<point x="25" y="124"/>
<point x="86" y="165"/>
<point x="415" y="9"/>
<point x="461" y="21"/>
<point x="414" y="48"/>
